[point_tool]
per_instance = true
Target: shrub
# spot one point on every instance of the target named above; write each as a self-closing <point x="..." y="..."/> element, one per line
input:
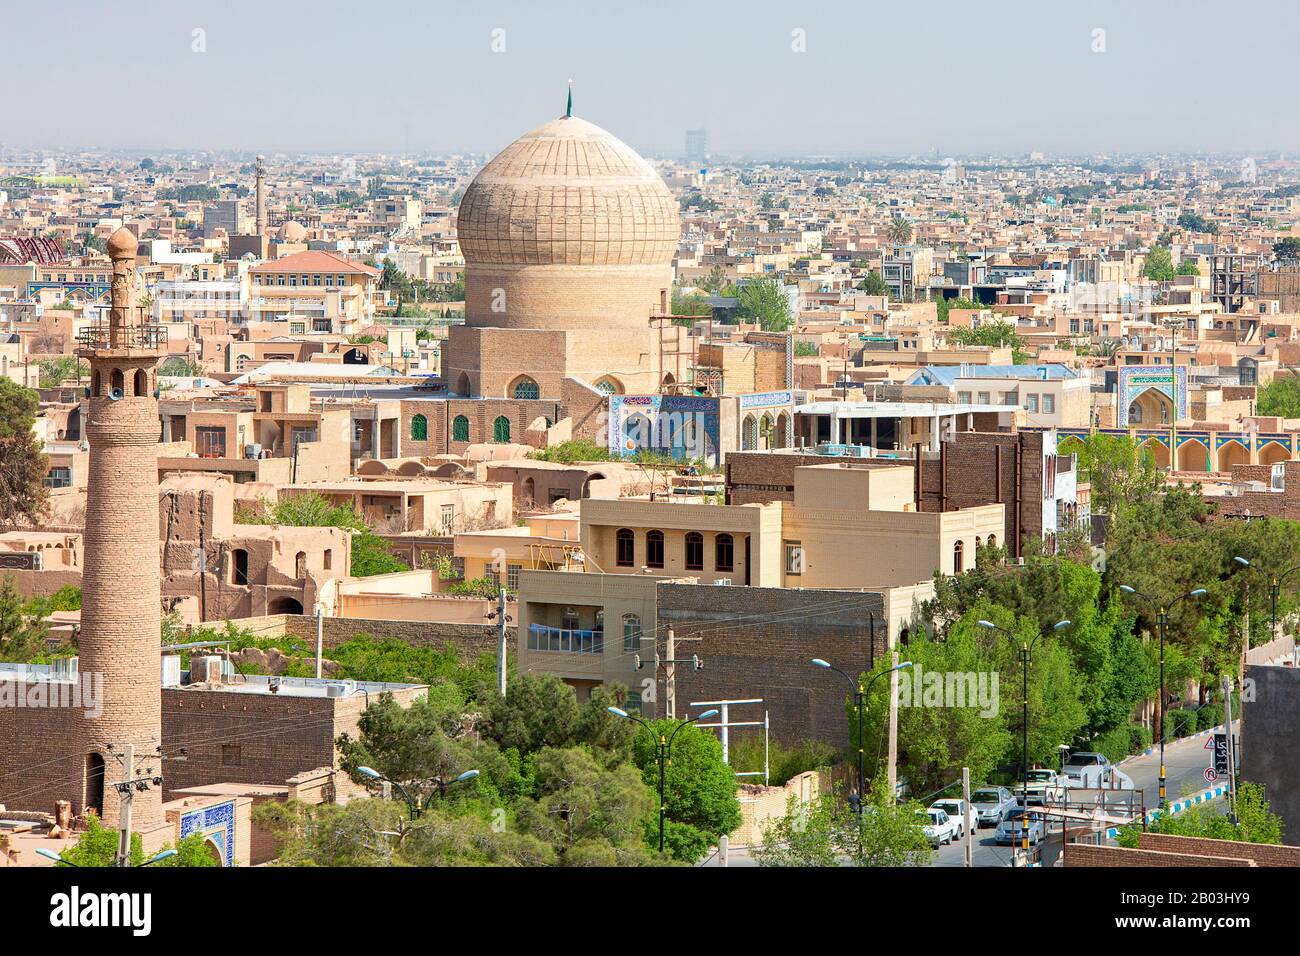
<point x="1180" y="723"/>
<point x="1208" y="716"/>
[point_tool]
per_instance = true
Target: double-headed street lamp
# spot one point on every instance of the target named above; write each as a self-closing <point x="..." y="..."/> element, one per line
<point x="51" y="855"/>
<point x="1025" y="647"/>
<point x="859" y="700"/>
<point x="1162" y="617"/>
<point x="663" y="752"/>
<point x="411" y="802"/>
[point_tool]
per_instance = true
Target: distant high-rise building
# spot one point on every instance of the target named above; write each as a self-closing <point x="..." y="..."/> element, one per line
<point x="697" y="145"/>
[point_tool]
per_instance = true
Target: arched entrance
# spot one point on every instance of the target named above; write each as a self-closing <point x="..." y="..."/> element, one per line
<point x="1193" y="455"/>
<point x="355" y="357"/>
<point x="1271" y="453"/>
<point x="94" y="801"/>
<point x="1232" y="453"/>
<point x="284" y="605"/>
<point x="1152" y="407"/>
<point x="1158" y="453"/>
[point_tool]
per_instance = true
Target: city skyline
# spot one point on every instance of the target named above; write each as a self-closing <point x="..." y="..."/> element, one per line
<point x="842" y="80"/>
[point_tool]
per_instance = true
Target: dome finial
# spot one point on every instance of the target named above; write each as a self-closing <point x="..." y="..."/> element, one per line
<point x="568" y="110"/>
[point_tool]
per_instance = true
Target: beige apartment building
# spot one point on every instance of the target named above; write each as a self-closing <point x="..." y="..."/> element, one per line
<point x="848" y="527"/>
<point x="320" y="291"/>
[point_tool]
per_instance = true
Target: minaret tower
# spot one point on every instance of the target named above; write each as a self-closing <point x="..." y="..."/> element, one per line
<point x="259" y="185"/>
<point x="120" y="614"/>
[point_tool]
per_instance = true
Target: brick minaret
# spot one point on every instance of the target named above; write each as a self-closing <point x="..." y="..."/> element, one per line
<point x="120" y="614"/>
<point x="259" y="184"/>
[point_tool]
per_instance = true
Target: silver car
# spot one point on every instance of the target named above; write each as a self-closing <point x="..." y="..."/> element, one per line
<point x="1012" y="828"/>
<point x="991" y="804"/>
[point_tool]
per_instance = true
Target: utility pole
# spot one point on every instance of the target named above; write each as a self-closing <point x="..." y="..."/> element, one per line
<point x="1232" y="751"/>
<point x="320" y="637"/>
<point x="670" y="679"/>
<point x="501" y="640"/>
<point x="127" y="790"/>
<point x="967" y="828"/>
<point x="893" y="727"/>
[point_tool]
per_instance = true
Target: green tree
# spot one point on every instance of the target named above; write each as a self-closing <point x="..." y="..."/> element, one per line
<point x="764" y="301"/>
<point x="1288" y="248"/>
<point x="24" y="499"/>
<point x="1159" y="265"/>
<point x="369" y="552"/>
<point x="827" y="832"/>
<point x="715" y="281"/>
<point x="59" y="370"/>
<point x="699" y="786"/>
<point x="1118" y="469"/>
<point x="1280" y="397"/>
<point x="97" y="846"/>
<point x="873" y="284"/>
<point x="180" y="365"/>
<point x="22" y="635"/>
<point x="590" y="814"/>
<point x="1188" y="268"/>
<point x="899" y="230"/>
<point x="1256" y="822"/>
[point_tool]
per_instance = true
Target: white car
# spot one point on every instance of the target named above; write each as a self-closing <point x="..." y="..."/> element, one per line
<point x="940" y="828"/>
<point x="1087" y="770"/>
<point x="1045" y="784"/>
<point x="958" y="810"/>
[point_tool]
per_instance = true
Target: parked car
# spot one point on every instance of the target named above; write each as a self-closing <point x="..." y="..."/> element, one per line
<point x="1012" y="827"/>
<point x="1087" y="769"/>
<point x="990" y="803"/>
<point x="959" y="811"/>
<point x="1045" y="784"/>
<point x="940" y="828"/>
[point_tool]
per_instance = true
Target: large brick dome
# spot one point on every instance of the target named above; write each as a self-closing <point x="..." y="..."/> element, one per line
<point x="568" y="193"/>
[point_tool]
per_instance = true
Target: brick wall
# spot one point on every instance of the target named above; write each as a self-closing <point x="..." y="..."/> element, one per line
<point x="1087" y="854"/>
<point x="964" y="476"/>
<point x="40" y="761"/>
<point x="469" y="638"/>
<point x="759" y="642"/>
<point x="1261" y="854"/>
<point x="1269" y="719"/>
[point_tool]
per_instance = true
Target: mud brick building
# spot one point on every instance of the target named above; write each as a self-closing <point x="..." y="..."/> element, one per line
<point x="1019" y="470"/>
<point x="1261" y="491"/>
<point x="760" y="642"/>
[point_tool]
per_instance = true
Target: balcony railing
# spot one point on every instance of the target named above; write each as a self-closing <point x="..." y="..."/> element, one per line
<point x="101" y="334"/>
<point x="567" y="640"/>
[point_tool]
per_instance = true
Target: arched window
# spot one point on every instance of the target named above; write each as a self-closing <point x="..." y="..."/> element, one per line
<point x="501" y="430"/>
<point x="765" y="432"/>
<point x="419" y="428"/>
<point x="300" y="565"/>
<point x="462" y="384"/>
<point x="117" y="383"/>
<point x="625" y="553"/>
<point x="993" y="541"/>
<point x="694" y="551"/>
<point x="724" y="553"/>
<point x="141" y="383"/>
<point x="631" y="633"/>
<point x="529" y="497"/>
<point x="460" y="428"/>
<point x="654" y="549"/>
<point x="783" y="430"/>
<point x="958" y="554"/>
<point x="526" y="388"/>
<point x="327" y="559"/>
<point x="609" y="386"/>
<point x="749" y="434"/>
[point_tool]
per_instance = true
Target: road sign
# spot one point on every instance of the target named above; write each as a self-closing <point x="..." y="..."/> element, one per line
<point x="1210" y="775"/>
<point x="1221" y="753"/>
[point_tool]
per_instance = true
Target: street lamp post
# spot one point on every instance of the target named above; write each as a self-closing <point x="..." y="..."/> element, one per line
<point x="1162" y="616"/>
<point x="411" y="802"/>
<point x="1024" y="711"/>
<point x="859" y="700"/>
<point x="1274" y="591"/>
<point x="663" y="752"/>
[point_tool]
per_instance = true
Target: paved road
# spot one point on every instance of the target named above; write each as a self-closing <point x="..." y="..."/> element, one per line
<point x="1184" y="762"/>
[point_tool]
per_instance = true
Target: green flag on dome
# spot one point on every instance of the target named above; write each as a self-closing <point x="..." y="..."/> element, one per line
<point x="568" y="110"/>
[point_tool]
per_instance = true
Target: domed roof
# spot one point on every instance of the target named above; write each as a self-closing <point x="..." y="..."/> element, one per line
<point x="568" y="193"/>
<point x="292" y="231"/>
<point x="122" y="244"/>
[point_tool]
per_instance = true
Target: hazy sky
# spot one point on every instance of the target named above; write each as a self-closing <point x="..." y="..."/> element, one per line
<point x="896" y="77"/>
